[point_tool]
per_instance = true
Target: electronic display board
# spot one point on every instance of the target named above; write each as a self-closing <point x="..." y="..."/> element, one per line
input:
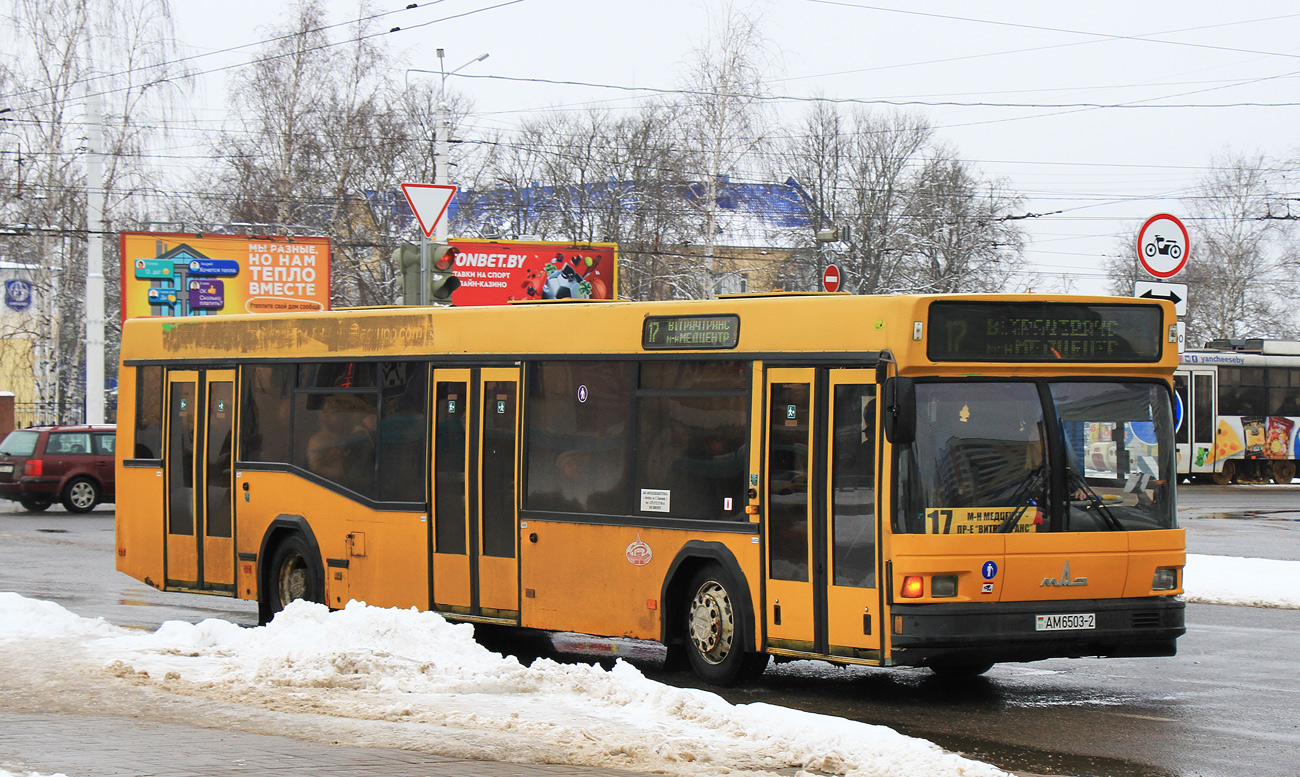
<point x="1044" y="332"/>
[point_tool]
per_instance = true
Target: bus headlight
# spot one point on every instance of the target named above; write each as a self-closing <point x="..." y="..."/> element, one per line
<point x="1165" y="579"/>
<point x="943" y="586"/>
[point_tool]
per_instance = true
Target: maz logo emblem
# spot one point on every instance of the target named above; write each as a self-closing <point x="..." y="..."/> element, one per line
<point x="1063" y="580"/>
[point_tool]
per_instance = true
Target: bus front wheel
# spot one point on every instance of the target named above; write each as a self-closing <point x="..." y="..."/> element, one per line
<point x="294" y="574"/>
<point x="716" y="636"/>
<point x="1283" y="471"/>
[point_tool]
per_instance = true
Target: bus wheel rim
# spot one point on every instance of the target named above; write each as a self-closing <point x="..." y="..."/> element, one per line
<point x="712" y="623"/>
<point x="292" y="579"/>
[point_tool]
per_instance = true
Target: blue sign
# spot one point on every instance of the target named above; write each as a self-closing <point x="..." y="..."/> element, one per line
<point x="163" y="297"/>
<point x="1178" y="411"/>
<point x="989" y="570"/>
<point x="18" y="295"/>
<point x="217" y="267"/>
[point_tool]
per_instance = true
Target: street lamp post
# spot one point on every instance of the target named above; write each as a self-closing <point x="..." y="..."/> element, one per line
<point x="441" y="154"/>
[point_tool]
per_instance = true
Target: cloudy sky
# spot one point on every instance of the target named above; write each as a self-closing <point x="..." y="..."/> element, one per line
<point x="1101" y="114"/>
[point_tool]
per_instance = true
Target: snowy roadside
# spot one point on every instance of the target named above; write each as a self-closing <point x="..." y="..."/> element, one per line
<point x="411" y="680"/>
<point x="404" y="679"/>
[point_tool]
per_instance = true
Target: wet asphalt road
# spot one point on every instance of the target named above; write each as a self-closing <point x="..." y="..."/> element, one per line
<point x="1226" y="705"/>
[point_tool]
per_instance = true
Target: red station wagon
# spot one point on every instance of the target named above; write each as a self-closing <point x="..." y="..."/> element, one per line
<point x="74" y="465"/>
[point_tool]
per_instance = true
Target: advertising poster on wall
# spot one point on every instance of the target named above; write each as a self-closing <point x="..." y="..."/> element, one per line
<point x="495" y="273"/>
<point x="167" y="274"/>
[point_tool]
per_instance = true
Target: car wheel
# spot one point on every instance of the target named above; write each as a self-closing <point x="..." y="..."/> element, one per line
<point x="80" y="495"/>
<point x="716" y="637"/>
<point x="36" y="504"/>
<point x="294" y="574"/>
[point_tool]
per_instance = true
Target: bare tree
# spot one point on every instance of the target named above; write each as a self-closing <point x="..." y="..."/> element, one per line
<point x="725" y="119"/>
<point x="1240" y="275"/>
<point x="961" y="240"/>
<point x="121" y="50"/>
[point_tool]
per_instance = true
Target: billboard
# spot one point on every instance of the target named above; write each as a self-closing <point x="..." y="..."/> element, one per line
<point x="165" y="274"/>
<point x="495" y="272"/>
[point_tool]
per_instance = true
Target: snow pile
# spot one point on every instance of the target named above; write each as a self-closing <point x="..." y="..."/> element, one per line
<point x="429" y="686"/>
<point x="1258" y="582"/>
<point x="4" y="773"/>
<point x="22" y="618"/>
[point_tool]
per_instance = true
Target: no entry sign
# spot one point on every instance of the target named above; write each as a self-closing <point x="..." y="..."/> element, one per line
<point x="831" y="278"/>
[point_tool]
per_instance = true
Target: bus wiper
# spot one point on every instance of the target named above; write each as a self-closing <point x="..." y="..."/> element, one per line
<point x="1024" y="498"/>
<point x="1094" y="500"/>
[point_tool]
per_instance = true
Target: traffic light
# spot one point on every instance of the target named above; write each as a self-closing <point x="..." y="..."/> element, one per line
<point x="441" y="280"/>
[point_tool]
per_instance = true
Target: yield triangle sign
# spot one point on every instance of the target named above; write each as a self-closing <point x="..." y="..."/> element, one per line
<point x="429" y="202"/>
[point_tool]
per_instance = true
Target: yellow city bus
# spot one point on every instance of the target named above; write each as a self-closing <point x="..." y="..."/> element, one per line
<point x="946" y="481"/>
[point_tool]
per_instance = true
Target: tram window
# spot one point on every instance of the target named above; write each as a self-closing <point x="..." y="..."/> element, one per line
<point x="1283" y="391"/>
<point x="264" y="429"/>
<point x="579" y="436"/>
<point x="402" y="431"/>
<point x="148" y="413"/>
<point x="1203" y="392"/>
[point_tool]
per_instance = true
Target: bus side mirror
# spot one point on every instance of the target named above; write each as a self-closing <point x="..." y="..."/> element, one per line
<point x="900" y="411"/>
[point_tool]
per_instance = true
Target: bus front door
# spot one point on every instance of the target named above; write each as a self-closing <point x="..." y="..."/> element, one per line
<point x="475" y="471"/>
<point x="822" y="596"/>
<point x="197" y="470"/>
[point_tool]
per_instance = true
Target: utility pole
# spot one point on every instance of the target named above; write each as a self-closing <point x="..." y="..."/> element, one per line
<point x="94" y="260"/>
<point x="441" y="157"/>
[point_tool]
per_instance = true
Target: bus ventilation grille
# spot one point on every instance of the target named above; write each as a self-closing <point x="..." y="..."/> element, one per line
<point x="1146" y="620"/>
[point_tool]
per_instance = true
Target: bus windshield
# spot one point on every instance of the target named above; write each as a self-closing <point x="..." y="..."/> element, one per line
<point x="995" y="457"/>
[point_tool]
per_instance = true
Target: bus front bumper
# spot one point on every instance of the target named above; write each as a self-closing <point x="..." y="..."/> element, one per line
<point x="970" y="634"/>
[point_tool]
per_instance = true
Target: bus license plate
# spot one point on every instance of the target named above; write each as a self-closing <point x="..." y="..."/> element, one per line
<point x="1085" y="620"/>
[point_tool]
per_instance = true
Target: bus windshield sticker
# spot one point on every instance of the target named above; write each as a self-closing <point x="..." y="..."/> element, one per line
<point x="978" y="520"/>
<point x="660" y="333"/>
<point x="1044" y="332"/>
<point x="655" y="500"/>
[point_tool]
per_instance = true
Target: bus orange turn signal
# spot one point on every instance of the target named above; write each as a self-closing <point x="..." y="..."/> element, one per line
<point x="913" y="587"/>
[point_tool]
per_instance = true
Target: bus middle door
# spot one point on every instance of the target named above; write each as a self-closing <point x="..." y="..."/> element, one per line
<point x="475" y="471"/>
<point x="822" y="595"/>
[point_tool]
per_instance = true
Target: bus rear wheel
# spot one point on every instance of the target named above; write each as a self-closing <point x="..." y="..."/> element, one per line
<point x="294" y="574"/>
<point x="1283" y="471"/>
<point x="716" y="636"/>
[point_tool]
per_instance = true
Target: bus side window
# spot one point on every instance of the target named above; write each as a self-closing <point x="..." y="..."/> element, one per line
<point x="148" y="413"/>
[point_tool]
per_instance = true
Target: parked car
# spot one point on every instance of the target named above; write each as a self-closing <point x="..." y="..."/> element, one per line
<point x="74" y="465"/>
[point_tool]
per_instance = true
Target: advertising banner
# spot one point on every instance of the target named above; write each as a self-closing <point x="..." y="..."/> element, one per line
<point x="494" y="273"/>
<point x="207" y="275"/>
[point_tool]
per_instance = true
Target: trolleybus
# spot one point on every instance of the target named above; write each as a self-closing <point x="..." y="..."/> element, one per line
<point x="937" y="481"/>
<point x="1239" y="407"/>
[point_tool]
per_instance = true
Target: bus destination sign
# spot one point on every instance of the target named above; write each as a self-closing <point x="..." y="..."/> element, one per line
<point x="665" y="333"/>
<point x="1044" y="332"/>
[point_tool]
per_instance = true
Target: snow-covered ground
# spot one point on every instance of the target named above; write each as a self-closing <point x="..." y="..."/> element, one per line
<point x="432" y="684"/>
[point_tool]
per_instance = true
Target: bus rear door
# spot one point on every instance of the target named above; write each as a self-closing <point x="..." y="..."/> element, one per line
<point x="822" y="596"/>
<point x="475" y="471"/>
<point x="199" y="524"/>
